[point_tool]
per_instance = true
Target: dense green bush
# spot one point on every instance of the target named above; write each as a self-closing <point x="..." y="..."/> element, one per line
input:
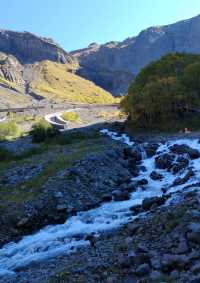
<point x="8" y="130"/>
<point x="165" y="94"/>
<point x="42" y="130"/>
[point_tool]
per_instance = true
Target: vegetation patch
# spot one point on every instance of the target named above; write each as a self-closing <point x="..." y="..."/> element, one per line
<point x="42" y="130"/>
<point x="56" y="81"/>
<point x="71" y="116"/>
<point x="9" y="130"/>
<point x="166" y="94"/>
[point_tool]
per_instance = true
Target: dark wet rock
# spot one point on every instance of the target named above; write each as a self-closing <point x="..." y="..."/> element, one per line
<point x="143" y="269"/>
<point x="61" y="207"/>
<point x="185" y="149"/>
<point x="107" y="197"/>
<point x="142" y="182"/>
<point x="180" y="181"/>
<point x="135" y="209"/>
<point x="133" y="152"/>
<point x="156" y="176"/>
<point x="132" y="228"/>
<point x="180" y="164"/>
<point x="151" y="149"/>
<point x="164" y="161"/>
<point x="23" y="222"/>
<point x="119" y="195"/>
<point x="131" y="187"/>
<point x="149" y="202"/>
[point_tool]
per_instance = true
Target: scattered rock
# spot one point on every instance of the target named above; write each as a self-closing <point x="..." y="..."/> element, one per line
<point x="185" y="149"/>
<point x="142" y="182"/>
<point x="164" y="161"/>
<point x="143" y="269"/>
<point x="169" y="262"/>
<point x="156" y="176"/>
<point x="149" y="202"/>
<point x="179" y="181"/>
<point x="120" y="195"/>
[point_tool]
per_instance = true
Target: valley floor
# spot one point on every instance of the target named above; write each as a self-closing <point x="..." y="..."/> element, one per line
<point x="132" y="213"/>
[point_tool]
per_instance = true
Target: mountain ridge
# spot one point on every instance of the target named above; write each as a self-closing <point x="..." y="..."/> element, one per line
<point x="134" y="53"/>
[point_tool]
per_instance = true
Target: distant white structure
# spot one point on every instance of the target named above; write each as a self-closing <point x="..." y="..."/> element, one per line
<point x="3" y="119"/>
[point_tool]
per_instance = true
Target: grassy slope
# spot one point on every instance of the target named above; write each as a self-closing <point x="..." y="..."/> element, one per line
<point x="56" y="82"/>
<point x="10" y="95"/>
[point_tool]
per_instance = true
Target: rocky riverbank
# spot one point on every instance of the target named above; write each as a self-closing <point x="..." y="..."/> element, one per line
<point x="139" y="217"/>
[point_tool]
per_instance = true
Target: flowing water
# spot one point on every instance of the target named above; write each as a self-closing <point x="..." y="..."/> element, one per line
<point x="66" y="238"/>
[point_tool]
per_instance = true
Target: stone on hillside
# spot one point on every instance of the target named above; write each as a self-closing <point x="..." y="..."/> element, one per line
<point x="170" y="262"/>
<point x="143" y="269"/>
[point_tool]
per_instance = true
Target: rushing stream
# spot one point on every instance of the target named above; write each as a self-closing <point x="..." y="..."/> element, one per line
<point x="66" y="238"/>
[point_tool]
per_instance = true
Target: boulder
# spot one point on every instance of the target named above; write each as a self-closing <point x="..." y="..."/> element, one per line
<point x="156" y="176"/>
<point x="142" y="182"/>
<point x="164" y="161"/>
<point x="143" y="269"/>
<point x="151" y="149"/>
<point x="181" y="163"/>
<point x="179" y="181"/>
<point x="149" y="202"/>
<point x="185" y="149"/>
<point x="133" y="152"/>
<point x="169" y="262"/>
<point x="120" y="195"/>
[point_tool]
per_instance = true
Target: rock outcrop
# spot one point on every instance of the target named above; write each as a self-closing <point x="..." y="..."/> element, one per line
<point x="114" y="64"/>
<point x="29" y="48"/>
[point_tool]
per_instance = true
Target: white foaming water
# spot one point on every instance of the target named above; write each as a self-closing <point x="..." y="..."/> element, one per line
<point x="65" y="238"/>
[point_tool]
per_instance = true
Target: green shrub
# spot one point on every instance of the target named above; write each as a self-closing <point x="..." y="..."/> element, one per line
<point x="42" y="130"/>
<point x="5" y="155"/>
<point x="8" y="130"/>
<point x="165" y="94"/>
<point x="71" y="116"/>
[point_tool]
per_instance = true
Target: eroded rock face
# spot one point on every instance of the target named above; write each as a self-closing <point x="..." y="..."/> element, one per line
<point x="29" y="48"/>
<point x="11" y="69"/>
<point x="114" y="64"/>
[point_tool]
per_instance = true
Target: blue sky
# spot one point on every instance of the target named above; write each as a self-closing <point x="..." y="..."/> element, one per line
<point x="76" y="23"/>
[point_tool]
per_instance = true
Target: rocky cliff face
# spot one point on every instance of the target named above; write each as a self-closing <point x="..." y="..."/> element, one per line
<point x="29" y="48"/>
<point x="114" y="64"/>
<point x="11" y="69"/>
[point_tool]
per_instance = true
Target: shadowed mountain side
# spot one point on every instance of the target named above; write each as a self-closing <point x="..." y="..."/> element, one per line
<point x="120" y="61"/>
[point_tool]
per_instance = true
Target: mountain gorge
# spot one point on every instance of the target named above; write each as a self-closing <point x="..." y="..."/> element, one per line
<point x="110" y="67"/>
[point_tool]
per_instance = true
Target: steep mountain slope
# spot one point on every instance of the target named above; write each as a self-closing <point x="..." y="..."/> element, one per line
<point x="29" y="48"/>
<point x="25" y="73"/>
<point x="114" y="64"/>
<point x="58" y="82"/>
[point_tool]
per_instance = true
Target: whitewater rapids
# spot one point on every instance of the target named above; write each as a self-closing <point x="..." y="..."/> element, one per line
<point x="55" y="240"/>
